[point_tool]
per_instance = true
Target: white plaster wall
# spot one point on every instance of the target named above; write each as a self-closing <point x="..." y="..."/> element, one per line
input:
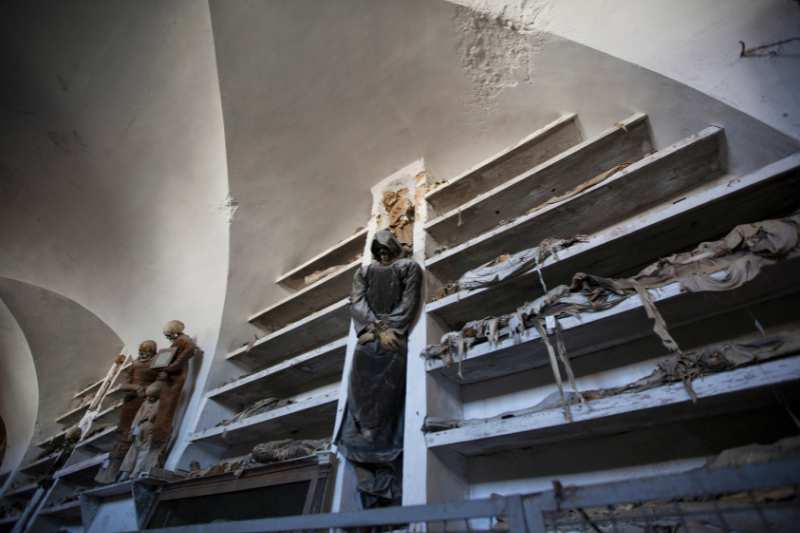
<point x="19" y="392"/>
<point x="66" y="343"/>
<point x="695" y="42"/>
<point x="322" y="100"/>
<point x="112" y="163"/>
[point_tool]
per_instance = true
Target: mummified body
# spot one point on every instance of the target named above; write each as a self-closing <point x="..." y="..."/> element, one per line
<point x="140" y="377"/>
<point x="384" y="303"/>
<point x="174" y="377"/>
<point x="143" y="453"/>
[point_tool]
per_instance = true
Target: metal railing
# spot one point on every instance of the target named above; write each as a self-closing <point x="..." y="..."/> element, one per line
<point x="725" y="499"/>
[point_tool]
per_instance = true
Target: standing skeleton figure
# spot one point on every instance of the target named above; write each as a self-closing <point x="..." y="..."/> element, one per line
<point x="173" y="377"/>
<point x="140" y="377"/>
<point x="143" y="454"/>
<point x="383" y="304"/>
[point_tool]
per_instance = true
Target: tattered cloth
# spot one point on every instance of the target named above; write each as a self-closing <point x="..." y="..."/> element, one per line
<point x="712" y="266"/>
<point x="679" y="368"/>
<point x="285" y="449"/>
<point x="507" y="267"/>
<point x="261" y="406"/>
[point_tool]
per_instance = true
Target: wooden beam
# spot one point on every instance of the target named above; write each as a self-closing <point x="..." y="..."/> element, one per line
<point x="536" y="148"/>
<point x="628" y="142"/>
<point x="642" y="185"/>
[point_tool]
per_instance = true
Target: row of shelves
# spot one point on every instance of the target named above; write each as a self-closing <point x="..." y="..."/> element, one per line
<point x="644" y="183"/>
<point x="736" y="390"/>
<point x="701" y="214"/>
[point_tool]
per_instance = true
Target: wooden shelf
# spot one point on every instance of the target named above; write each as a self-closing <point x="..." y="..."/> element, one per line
<point x="718" y="393"/>
<point x="83" y="472"/>
<point x="41" y="465"/>
<point x="647" y="182"/>
<point x="298" y="374"/>
<point x="344" y="252"/>
<point x="703" y="214"/>
<point x="68" y="510"/>
<point x="536" y="148"/>
<point x="23" y="491"/>
<point x="103" y="440"/>
<point x="90" y="388"/>
<point x="61" y="435"/>
<point x="308" y="300"/>
<point x="109" y="415"/>
<point x="73" y="416"/>
<point x="317" y="329"/>
<point x="627" y="142"/>
<point x="311" y="418"/>
<point x="627" y="321"/>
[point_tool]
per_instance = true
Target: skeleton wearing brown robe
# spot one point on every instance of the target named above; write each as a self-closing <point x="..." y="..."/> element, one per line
<point x="383" y="304"/>
<point x="143" y="454"/>
<point x="140" y="376"/>
<point x="174" y="377"/>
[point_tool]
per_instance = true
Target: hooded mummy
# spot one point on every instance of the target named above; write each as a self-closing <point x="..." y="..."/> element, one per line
<point x="385" y="296"/>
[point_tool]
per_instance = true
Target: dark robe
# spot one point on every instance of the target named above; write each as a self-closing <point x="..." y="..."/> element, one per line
<point x="371" y="435"/>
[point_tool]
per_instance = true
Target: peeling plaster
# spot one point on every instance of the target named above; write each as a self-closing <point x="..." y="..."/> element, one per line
<point x="498" y="44"/>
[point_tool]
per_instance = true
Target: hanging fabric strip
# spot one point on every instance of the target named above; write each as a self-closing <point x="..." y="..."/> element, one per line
<point x="659" y="325"/>
<point x="554" y="367"/>
<point x="562" y="355"/>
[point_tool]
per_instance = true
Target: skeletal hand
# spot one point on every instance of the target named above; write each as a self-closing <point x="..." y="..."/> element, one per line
<point x="364" y="338"/>
<point x="389" y="339"/>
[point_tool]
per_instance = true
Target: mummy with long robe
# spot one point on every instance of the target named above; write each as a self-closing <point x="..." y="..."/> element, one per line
<point x="383" y="304"/>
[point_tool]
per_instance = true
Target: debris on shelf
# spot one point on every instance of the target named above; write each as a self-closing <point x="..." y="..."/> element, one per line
<point x="510" y="266"/>
<point x="400" y="212"/>
<point x="264" y="453"/>
<point x="234" y="464"/>
<point x="261" y="406"/>
<point x="682" y="367"/>
<point x="771" y="509"/>
<point x="323" y="273"/>
<point x="435" y="185"/>
<point x="756" y="453"/>
<point x="285" y="449"/>
<point x="719" y="265"/>
<point x="599" y="178"/>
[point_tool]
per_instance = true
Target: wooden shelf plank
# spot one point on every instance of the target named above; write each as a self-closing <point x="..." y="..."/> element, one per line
<point x="703" y="214"/>
<point x="73" y="416"/>
<point x="324" y="326"/>
<point x="23" y="491"/>
<point x="90" y="388"/>
<point x="40" y="465"/>
<point x="628" y="321"/>
<point x="342" y="253"/>
<point x="724" y="392"/>
<point x="536" y="148"/>
<point x="68" y="510"/>
<point x="103" y="440"/>
<point x="308" y="300"/>
<point x="298" y="374"/>
<point x="311" y="418"/>
<point x="109" y="415"/>
<point x="52" y="439"/>
<point x="82" y="472"/>
<point x="627" y="142"/>
<point x="647" y="182"/>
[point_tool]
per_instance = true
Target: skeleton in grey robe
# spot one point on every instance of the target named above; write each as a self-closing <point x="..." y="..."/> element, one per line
<point x="384" y="303"/>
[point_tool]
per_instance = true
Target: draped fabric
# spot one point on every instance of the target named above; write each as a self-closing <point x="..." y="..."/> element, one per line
<point x="385" y="298"/>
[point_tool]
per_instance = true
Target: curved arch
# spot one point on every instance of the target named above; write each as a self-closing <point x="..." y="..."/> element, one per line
<point x="68" y="346"/>
<point x="19" y="390"/>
